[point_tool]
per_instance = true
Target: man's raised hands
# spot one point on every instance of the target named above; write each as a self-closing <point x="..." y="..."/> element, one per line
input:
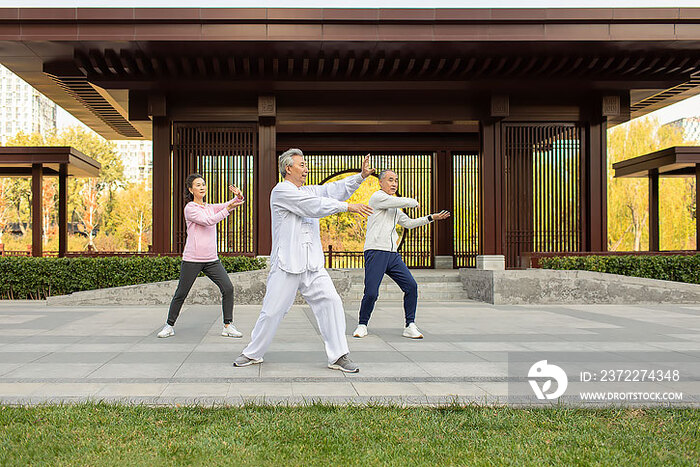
<point x="367" y="170"/>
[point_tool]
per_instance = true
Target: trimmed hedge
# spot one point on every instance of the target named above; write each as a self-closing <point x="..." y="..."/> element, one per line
<point x="669" y="268"/>
<point x="38" y="278"/>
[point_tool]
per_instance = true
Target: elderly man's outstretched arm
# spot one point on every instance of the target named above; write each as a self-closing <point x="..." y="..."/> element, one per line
<point x="343" y="189"/>
<point x="340" y="190"/>
<point x="305" y="203"/>
<point x="381" y="200"/>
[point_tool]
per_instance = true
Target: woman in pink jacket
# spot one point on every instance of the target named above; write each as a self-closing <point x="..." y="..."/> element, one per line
<point x="200" y="253"/>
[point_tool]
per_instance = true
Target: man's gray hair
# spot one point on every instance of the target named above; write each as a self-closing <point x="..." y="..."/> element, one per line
<point x="286" y="159"/>
<point x="384" y="172"/>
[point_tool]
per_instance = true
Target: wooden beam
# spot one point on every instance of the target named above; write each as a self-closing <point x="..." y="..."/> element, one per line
<point x="25" y="172"/>
<point x="467" y="68"/>
<point x="161" y="185"/>
<point x="98" y="60"/>
<point x="37" y="195"/>
<point x="83" y="63"/>
<point x="697" y="209"/>
<point x="62" y="210"/>
<point x="201" y="66"/>
<point x="443" y="196"/>
<point x="394" y="66"/>
<point x="654" y="210"/>
<point x="489" y="225"/>
<point x="266" y="172"/>
<point x="424" y="68"/>
<point x="455" y="64"/>
<point x="246" y="66"/>
<point x="114" y="63"/>
<point x="351" y="66"/>
<point x="380" y="66"/>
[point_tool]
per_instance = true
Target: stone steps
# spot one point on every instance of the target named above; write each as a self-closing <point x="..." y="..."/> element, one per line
<point x="432" y="285"/>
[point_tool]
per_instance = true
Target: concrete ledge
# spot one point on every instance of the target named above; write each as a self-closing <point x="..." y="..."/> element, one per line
<point x="548" y="286"/>
<point x="248" y="289"/>
<point x="528" y="286"/>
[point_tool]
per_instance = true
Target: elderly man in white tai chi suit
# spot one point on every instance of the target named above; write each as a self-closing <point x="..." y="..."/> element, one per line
<point x="296" y="259"/>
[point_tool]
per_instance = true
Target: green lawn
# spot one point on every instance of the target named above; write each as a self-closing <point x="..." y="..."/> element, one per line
<point x="100" y="434"/>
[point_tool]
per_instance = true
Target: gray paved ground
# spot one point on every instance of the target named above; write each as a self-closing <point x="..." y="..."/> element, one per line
<point x="55" y="354"/>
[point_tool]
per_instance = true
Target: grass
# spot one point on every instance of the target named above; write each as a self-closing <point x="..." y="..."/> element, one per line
<point x="102" y="434"/>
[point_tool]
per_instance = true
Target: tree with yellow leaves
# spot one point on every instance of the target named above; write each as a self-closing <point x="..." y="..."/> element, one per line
<point x="628" y="198"/>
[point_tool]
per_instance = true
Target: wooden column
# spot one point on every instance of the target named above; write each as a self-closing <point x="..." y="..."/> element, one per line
<point x="491" y="226"/>
<point x="266" y="171"/>
<point x="444" y="199"/>
<point x="62" y="210"/>
<point x="653" y="210"/>
<point x="697" y="210"/>
<point x="161" y="185"/>
<point x="37" y="179"/>
<point x="596" y="215"/>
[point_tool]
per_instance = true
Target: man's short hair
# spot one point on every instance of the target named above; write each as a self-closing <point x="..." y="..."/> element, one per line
<point x="384" y="172"/>
<point x="286" y="159"/>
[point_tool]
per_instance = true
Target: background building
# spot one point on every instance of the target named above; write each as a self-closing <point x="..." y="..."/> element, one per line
<point x="690" y="127"/>
<point x="137" y="157"/>
<point x="23" y="108"/>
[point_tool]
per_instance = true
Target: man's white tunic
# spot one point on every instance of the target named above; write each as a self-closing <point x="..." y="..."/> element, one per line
<point x="297" y="263"/>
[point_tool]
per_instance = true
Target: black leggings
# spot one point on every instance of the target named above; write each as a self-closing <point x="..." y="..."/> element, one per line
<point x="188" y="273"/>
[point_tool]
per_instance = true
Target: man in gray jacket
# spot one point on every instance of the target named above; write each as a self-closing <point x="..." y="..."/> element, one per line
<point x="381" y="256"/>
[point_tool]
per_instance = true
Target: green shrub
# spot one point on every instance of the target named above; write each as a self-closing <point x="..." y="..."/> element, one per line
<point x="38" y="278"/>
<point x="665" y="267"/>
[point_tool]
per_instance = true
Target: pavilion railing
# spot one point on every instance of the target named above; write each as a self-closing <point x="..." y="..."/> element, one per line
<point x="344" y="259"/>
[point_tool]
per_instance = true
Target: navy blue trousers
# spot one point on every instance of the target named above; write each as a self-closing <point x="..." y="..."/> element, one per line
<point x="378" y="263"/>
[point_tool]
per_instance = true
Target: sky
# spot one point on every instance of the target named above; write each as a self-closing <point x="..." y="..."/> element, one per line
<point x="355" y="3"/>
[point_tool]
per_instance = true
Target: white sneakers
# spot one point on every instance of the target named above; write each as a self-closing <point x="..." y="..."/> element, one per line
<point x="361" y="331"/>
<point x="167" y="331"/>
<point x="228" y="331"/>
<point x="411" y="331"/>
<point x="242" y="360"/>
<point x="231" y="331"/>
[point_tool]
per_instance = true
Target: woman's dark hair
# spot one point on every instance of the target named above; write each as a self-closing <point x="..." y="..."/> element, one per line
<point x="188" y="184"/>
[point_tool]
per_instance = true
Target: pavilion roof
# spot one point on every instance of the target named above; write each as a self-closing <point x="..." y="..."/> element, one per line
<point x="88" y="60"/>
<point x="677" y="161"/>
<point x="18" y="160"/>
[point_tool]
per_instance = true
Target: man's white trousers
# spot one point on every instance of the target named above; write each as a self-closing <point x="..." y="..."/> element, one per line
<point x="316" y="287"/>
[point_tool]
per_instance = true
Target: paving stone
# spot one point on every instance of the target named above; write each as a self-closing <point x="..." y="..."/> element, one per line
<point x="66" y="357"/>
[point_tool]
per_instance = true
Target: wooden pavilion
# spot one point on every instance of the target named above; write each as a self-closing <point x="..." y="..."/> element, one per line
<point x="40" y="162"/>
<point x="678" y="161"/>
<point x="499" y="115"/>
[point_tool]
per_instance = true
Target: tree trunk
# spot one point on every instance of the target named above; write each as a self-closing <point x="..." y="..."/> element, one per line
<point x="19" y="220"/>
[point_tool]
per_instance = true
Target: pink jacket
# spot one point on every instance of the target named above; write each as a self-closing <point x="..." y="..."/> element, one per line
<point x="200" y="246"/>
